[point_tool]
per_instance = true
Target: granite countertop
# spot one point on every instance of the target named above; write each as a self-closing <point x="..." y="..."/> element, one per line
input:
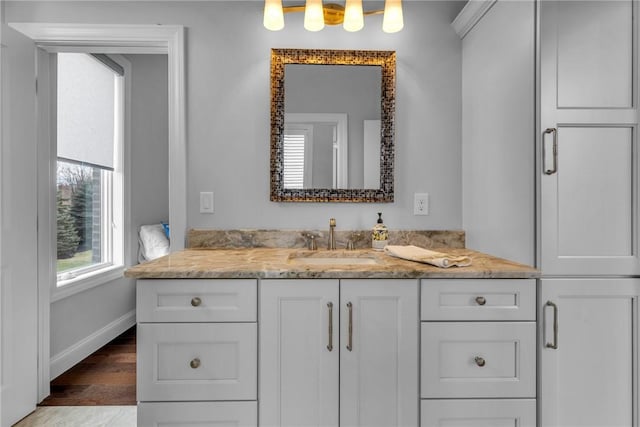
<point x="280" y="263"/>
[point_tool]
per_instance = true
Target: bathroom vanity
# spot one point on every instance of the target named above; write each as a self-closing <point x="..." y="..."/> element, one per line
<point x="288" y="337"/>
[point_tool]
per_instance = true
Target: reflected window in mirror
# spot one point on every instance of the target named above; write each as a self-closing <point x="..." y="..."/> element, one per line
<point x="332" y="125"/>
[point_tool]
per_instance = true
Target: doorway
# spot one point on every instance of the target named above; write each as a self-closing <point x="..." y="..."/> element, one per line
<point x="107" y="39"/>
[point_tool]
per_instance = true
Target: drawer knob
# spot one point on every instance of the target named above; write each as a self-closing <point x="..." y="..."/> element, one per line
<point x="480" y="361"/>
<point x="195" y="301"/>
<point x="195" y="363"/>
<point x="481" y="300"/>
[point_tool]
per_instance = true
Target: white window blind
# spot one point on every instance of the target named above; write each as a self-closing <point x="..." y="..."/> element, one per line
<point x="294" y="160"/>
<point x="86" y="93"/>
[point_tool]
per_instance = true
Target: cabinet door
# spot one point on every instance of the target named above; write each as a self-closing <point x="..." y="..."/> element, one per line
<point x="589" y="203"/>
<point x="299" y="359"/>
<point x="591" y="378"/>
<point x="379" y="353"/>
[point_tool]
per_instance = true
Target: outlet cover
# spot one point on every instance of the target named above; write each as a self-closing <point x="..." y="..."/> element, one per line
<point x="421" y="204"/>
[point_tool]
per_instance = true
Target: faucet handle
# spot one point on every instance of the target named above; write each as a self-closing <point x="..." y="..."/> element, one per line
<point x="312" y="245"/>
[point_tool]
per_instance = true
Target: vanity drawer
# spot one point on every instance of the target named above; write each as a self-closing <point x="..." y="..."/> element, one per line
<point x="197" y="300"/>
<point x="478" y="299"/>
<point x="197" y="361"/>
<point x="478" y="413"/>
<point x="237" y="414"/>
<point x="479" y="359"/>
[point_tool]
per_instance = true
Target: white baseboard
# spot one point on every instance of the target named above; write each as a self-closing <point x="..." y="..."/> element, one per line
<point x="69" y="357"/>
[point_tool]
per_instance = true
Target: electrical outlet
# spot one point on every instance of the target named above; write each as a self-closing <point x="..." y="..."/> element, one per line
<point x="421" y="203"/>
<point x="206" y="202"/>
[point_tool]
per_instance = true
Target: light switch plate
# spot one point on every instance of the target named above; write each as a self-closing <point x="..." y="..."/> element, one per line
<point x="206" y="202"/>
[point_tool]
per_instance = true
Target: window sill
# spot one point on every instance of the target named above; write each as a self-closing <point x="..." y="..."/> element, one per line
<point x="66" y="288"/>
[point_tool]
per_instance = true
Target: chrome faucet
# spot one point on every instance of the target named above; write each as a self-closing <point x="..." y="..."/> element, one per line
<point x="332" y="237"/>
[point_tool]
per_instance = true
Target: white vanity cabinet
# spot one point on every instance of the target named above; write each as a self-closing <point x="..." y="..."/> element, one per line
<point x="338" y="353"/>
<point x="478" y="357"/>
<point x="197" y="352"/>
<point x="589" y="364"/>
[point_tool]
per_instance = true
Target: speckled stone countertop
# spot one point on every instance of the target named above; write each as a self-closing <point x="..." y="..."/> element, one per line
<point x="272" y="263"/>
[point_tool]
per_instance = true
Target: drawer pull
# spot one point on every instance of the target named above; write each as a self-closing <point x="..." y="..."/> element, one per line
<point x="480" y="361"/>
<point x="330" y="345"/>
<point x="196" y="301"/>
<point x="481" y="300"/>
<point x="195" y="363"/>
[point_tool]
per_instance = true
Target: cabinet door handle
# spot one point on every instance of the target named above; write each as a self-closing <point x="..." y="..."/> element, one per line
<point x="350" y="340"/>
<point x="195" y="363"/>
<point x="196" y="301"/>
<point x="553" y="345"/>
<point x="554" y="168"/>
<point x="481" y="300"/>
<point x="330" y="345"/>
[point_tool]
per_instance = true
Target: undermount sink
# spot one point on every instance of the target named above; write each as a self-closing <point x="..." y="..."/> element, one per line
<point x="321" y="259"/>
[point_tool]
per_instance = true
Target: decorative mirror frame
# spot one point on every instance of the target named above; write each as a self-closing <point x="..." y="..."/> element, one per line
<point x="387" y="61"/>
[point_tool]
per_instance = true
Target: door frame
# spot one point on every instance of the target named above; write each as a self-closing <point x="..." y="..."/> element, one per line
<point x="113" y="38"/>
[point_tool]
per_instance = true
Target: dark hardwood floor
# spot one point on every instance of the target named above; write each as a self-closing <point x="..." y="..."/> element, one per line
<point x="106" y="377"/>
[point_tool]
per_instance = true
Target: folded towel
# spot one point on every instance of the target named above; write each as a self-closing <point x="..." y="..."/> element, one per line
<point x="439" y="259"/>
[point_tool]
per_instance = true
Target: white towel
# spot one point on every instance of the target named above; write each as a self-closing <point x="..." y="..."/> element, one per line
<point x="153" y="242"/>
<point x="439" y="259"/>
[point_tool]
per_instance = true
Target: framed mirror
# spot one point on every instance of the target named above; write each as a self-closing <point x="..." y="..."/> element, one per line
<point x="332" y="125"/>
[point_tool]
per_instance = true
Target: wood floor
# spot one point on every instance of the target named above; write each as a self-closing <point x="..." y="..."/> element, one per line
<point x="107" y="377"/>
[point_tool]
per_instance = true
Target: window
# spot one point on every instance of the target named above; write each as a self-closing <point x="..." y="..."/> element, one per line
<point x="89" y="181"/>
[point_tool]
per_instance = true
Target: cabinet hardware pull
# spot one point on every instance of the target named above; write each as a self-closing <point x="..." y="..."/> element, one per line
<point x="350" y="342"/>
<point x="195" y="363"/>
<point x="480" y="361"/>
<point x="481" y="300"/>
<point x="330" y="345"/>
<point x="554" y="169"/>
<point x="553" y="345"/>
<point x="196" y="301"/>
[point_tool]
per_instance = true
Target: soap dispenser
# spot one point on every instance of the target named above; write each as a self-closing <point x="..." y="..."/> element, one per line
<point x="379" y="235"/>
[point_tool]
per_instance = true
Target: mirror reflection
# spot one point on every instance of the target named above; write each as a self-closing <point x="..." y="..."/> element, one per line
<point x="332" y="126"/>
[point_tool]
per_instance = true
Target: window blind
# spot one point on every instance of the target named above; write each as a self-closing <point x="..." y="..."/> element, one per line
<point x="293" y="171"/>
<point x="86" y="103"/>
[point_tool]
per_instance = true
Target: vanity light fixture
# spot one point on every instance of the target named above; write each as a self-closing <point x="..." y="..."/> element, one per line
<point x="317" y="14"/>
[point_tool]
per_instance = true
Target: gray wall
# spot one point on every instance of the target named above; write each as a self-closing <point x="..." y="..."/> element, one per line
<point x="228" y="53"/>
<point x="149" y="141"/>
<point x="498" y="148"/>
<point x="80" y="315"/>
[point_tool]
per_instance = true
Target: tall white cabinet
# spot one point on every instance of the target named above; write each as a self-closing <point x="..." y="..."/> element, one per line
<point x="579" y="175"/>
<point x="338" y="353"/>
<point x="588" y="127"/>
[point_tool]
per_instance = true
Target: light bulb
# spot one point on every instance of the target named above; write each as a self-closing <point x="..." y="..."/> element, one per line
<point x="392" y="21"/>
<point x="273" y="15"/>
<point x="313" y="15"/>
<point x="353" y="18"/>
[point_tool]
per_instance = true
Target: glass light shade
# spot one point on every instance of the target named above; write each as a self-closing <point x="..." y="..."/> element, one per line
<point x="353" y="17"/>
<point x="273" y="15"/>
<point x="313" y="15"/>
<point x="392" y="21"/>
